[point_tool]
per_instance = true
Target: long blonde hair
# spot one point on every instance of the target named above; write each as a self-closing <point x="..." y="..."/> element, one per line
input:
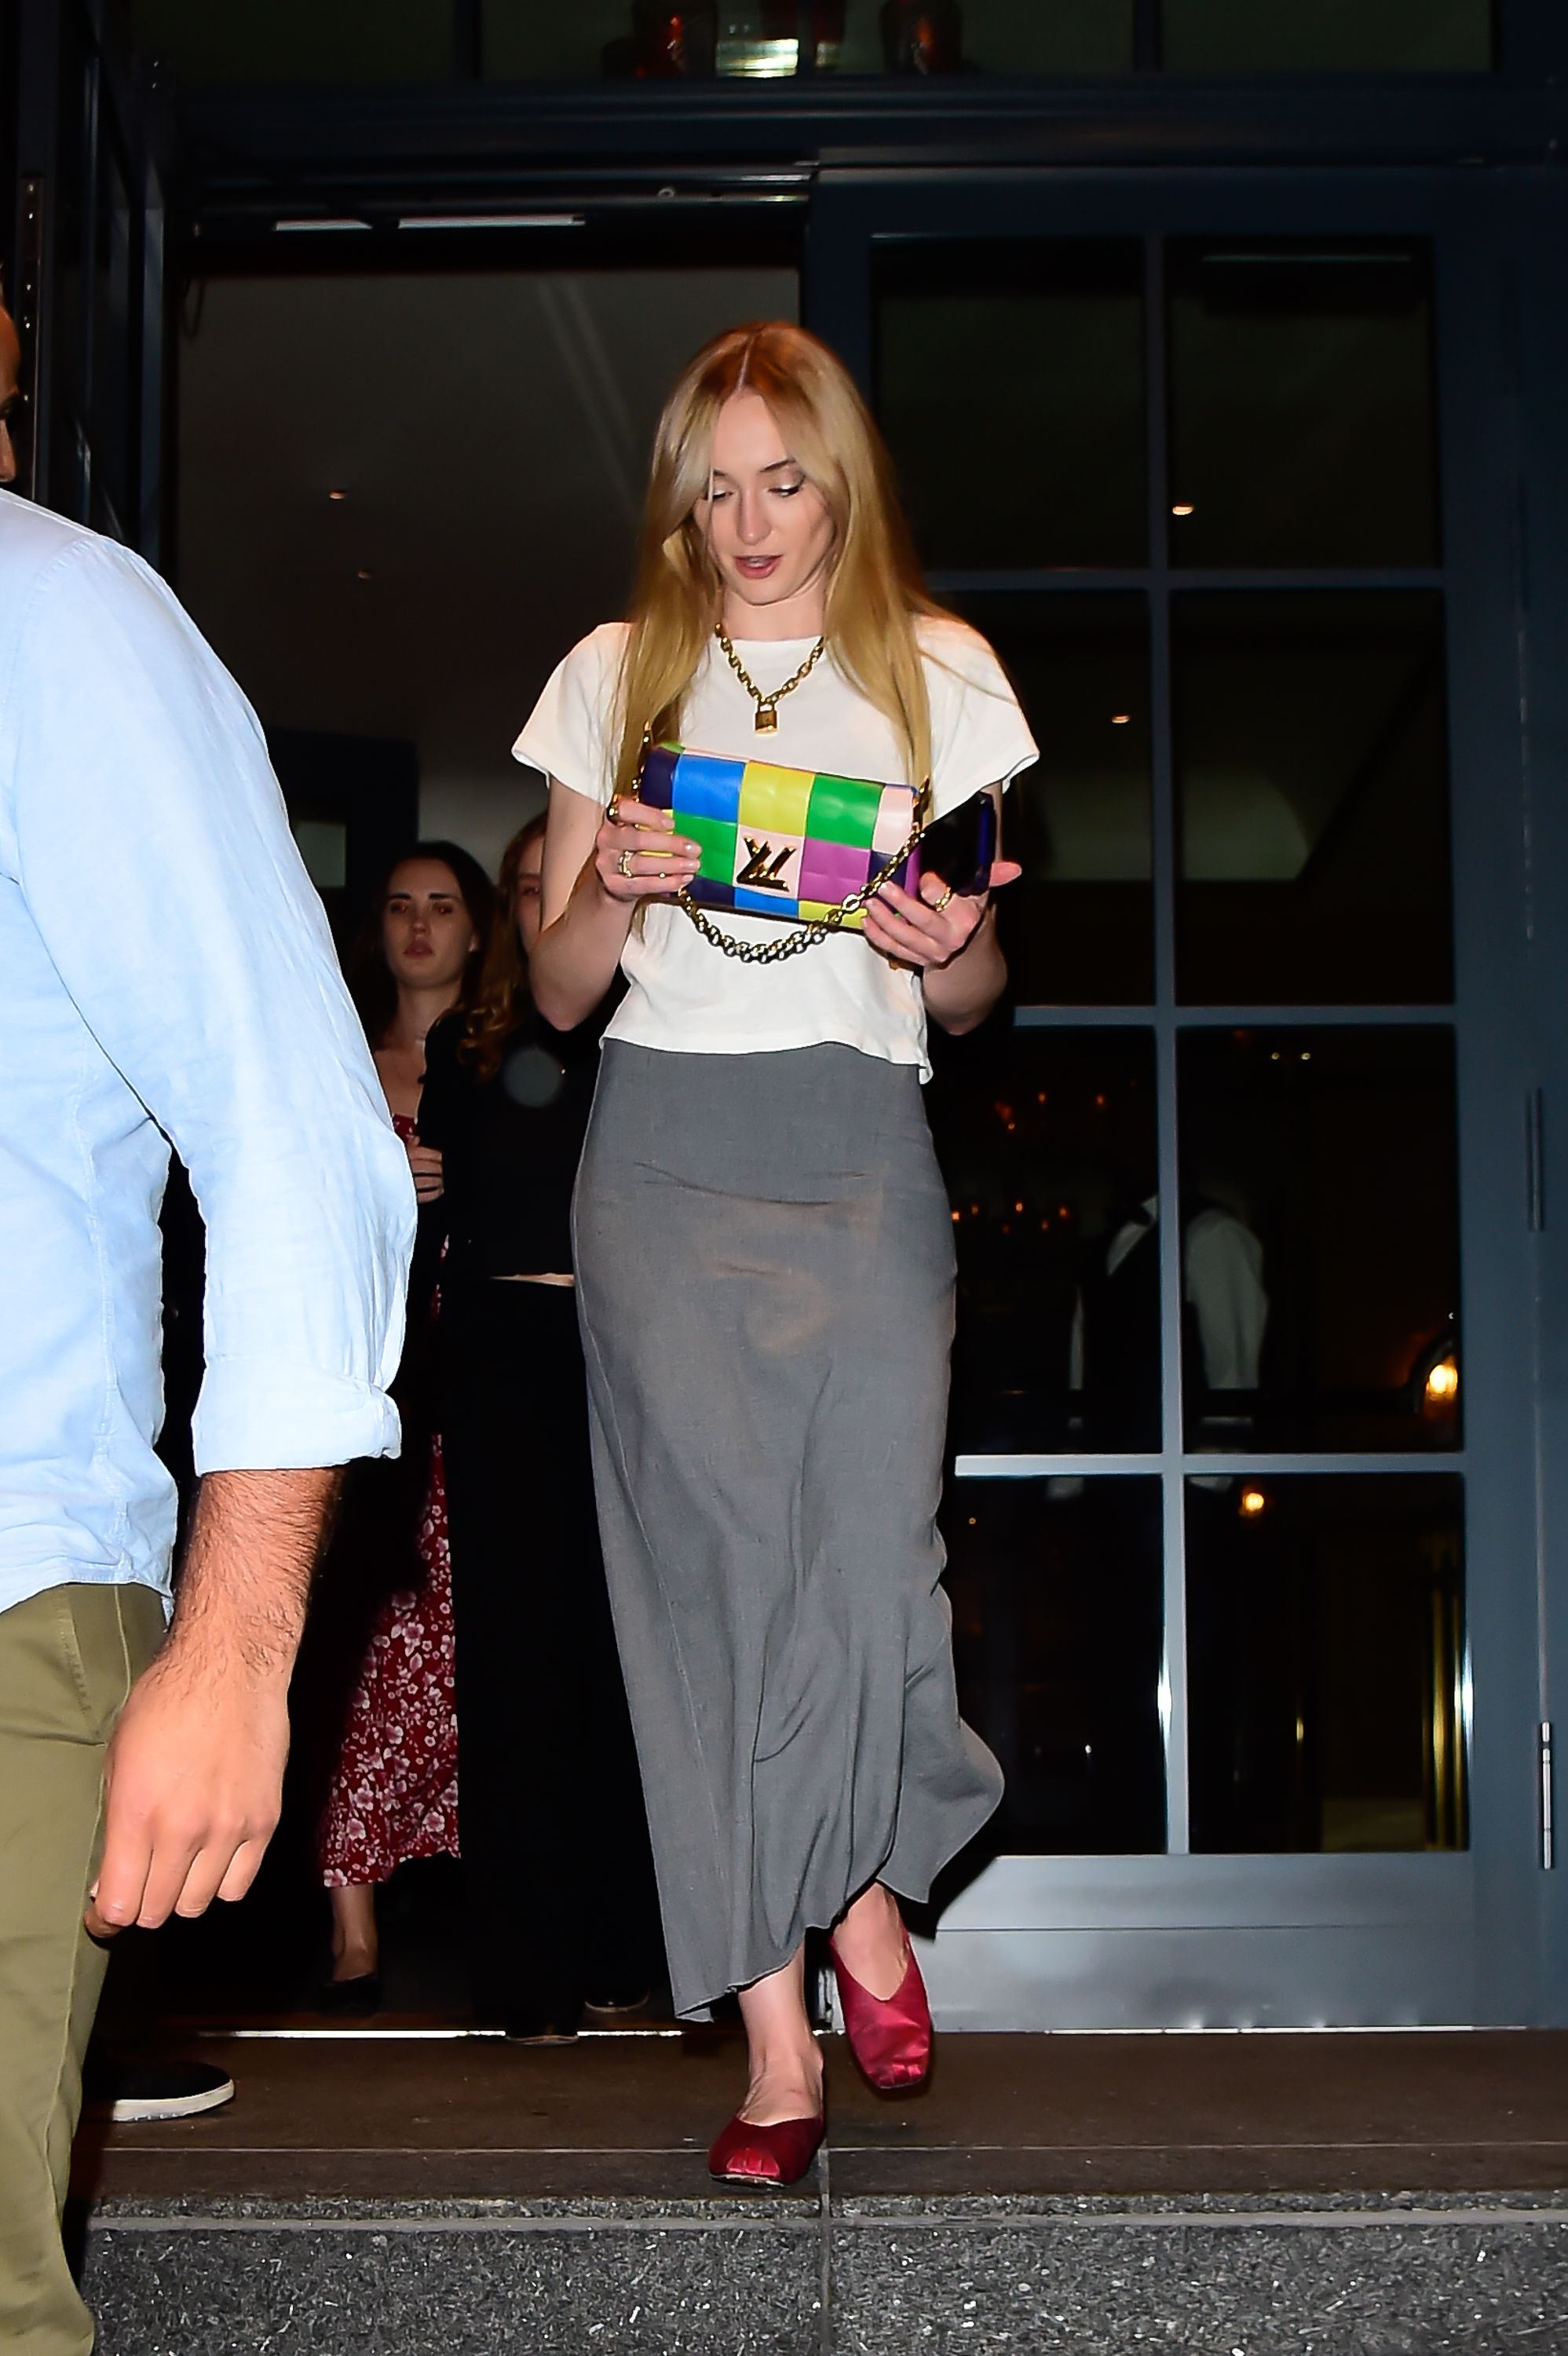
<point x="875" y="596"/>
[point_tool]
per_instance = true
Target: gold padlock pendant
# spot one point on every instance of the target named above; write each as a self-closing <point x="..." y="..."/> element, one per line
<point x="767" y="720"/>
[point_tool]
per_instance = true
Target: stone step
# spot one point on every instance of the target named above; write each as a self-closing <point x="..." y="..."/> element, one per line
<point x="1308" y="2274"/>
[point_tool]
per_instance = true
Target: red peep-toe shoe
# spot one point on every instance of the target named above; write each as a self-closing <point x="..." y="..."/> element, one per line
<point x="889" y="2036"/>
<point x="766" y="2158"/>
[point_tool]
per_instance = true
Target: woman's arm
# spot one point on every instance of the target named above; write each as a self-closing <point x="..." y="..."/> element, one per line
<point x="961" y="993"/>
<point x="954" y="945"/>
<point x="597" y="866"/>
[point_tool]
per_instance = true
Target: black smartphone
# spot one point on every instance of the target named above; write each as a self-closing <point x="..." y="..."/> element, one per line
<point x="962" y="847"/>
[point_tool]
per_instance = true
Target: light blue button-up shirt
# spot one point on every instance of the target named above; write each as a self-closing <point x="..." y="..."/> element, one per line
<point x="166" y="973"/>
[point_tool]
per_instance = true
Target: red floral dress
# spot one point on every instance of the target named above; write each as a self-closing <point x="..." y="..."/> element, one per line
<point x="394" y="1792"/>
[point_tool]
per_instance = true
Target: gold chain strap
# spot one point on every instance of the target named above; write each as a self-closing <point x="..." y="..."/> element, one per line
<point x="802" y="937"/>
<point x="767" y="703"/>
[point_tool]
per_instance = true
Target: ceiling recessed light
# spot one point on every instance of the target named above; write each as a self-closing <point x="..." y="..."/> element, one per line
<point x="1183" y="509"/>
<point x="337" y="495"/>
<point x="1121" y="719"/>
<point x="364" y="573"/>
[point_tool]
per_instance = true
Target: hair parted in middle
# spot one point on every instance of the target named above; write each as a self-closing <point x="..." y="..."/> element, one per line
<point x="875" y="596"/>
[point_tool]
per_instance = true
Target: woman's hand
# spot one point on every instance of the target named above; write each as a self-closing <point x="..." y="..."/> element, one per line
<point x="425" y="1161"/>
<point x="638" y="854"/>
<point x="930" y="931"/>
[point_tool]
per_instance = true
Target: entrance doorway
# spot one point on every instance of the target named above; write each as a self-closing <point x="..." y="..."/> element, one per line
<point x="1241" y="1521"/>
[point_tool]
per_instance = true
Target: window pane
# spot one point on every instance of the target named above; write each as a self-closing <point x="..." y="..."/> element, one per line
<point x="1047" y="1141"/>
<point x="114" y="384"/>
<point x="1326" y="1663"/>
<point x="1326" y="36"/>
<point x="1021" y="37"/>
<point x="526" y="41"/>
<point x="1303" y="429"/>
<point x="1320" y="1238"/>
<point x="762" y="38"/>
<point x="1057" y="1632"/>
<point x="1079" y="928"/>
<point x="1312" y="798"/>
<point x="298" y="40"/>
<point x="1009" y="385"/>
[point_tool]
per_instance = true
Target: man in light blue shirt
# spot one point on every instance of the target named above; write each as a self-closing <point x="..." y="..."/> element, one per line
<point x="167" y="975"/>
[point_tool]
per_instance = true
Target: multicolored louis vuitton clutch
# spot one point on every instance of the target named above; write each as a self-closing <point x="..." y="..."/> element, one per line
<point x="792" y="843"/>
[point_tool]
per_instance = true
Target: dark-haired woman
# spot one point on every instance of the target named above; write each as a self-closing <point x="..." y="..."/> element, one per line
<point x="393" y="1793"/>
<point x="562" y="1908"/>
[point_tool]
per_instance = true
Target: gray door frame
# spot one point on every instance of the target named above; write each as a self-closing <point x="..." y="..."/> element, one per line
<point x="1182" y="1940"/>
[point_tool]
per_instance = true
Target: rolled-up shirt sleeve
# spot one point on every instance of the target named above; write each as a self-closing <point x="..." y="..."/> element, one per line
<point x="153" y="850"/>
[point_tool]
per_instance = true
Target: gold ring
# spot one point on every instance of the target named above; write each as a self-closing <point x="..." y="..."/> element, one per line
<point x="939" y="905"/>
<point x="623" y="868"/>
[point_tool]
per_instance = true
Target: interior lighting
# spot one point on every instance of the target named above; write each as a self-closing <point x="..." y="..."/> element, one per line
<point x="364" y="573"/>
<point x="1442" y="1383"/>
<point x="1184" y="508"/>
<point x="1253" y="1502"/>
<point x="1121" y="719"/>
<point x="1018" y="1206"/>
<point x="337" y="495"/>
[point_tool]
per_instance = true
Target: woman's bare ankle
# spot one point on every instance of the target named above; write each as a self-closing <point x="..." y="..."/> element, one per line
<point x="784" y="2086"/>
<point x="872" y="1941"/>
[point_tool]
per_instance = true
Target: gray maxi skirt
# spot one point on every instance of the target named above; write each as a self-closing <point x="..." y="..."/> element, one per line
<point x="765" y="1256"/>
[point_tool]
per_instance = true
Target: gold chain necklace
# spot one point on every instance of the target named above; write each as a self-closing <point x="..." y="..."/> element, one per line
<point x="767" y="705"/>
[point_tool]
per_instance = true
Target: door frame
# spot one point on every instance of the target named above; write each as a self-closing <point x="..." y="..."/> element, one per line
<point x="1182" y="1940"/>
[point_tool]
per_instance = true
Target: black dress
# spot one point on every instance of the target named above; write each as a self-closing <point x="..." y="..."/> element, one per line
<point x="561" y="1899"/>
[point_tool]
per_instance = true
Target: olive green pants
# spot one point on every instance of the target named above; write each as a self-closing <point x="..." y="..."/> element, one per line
<point x="68" y="1658"/>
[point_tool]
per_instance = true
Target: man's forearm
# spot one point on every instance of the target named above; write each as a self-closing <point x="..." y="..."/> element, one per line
<point x="254" y="1542"/>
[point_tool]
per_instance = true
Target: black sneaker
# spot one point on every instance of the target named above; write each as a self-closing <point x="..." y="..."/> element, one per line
<point x="612" y="2000"/>
<point x="129" y="2091"/>
<point x="555" y="2024"/>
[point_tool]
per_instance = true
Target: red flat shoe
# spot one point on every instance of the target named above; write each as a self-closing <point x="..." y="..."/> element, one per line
<point x="889" y="2036"/>
<point x="763" y="2159"/>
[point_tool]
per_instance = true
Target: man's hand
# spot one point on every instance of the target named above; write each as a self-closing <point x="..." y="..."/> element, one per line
<point x="192" y="1785"/>
<point x="193" y="1780"/>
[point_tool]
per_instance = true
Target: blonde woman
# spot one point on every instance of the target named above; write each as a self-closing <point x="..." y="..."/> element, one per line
<point x="765" y="1251"/>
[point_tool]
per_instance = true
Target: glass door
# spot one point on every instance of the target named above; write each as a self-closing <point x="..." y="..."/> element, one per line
<point x="88" y="271"/>
<point x="1242" y="1556"/>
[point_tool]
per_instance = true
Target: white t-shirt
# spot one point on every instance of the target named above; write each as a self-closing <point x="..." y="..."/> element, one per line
<point x="684" y="994"/>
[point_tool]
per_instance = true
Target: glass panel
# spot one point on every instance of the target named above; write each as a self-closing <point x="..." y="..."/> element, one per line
<point x="1303" y="429"/>
<point x="1312" y="800"/>
<point x="114" y="389"/>
<point x="1326" y="36"/>
<point x="1058" y="1626"/>
<point x="1320" y="1238"/>
<point x="1327" y="1680"/>
<point x="1009" y="385"/>
<point x="1079" y="927"/>
<point x="523" y="40"/>
<point x="1020" y="37"/>
<point x="298" y="40"/>
<point x="1046" y="1143"/>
